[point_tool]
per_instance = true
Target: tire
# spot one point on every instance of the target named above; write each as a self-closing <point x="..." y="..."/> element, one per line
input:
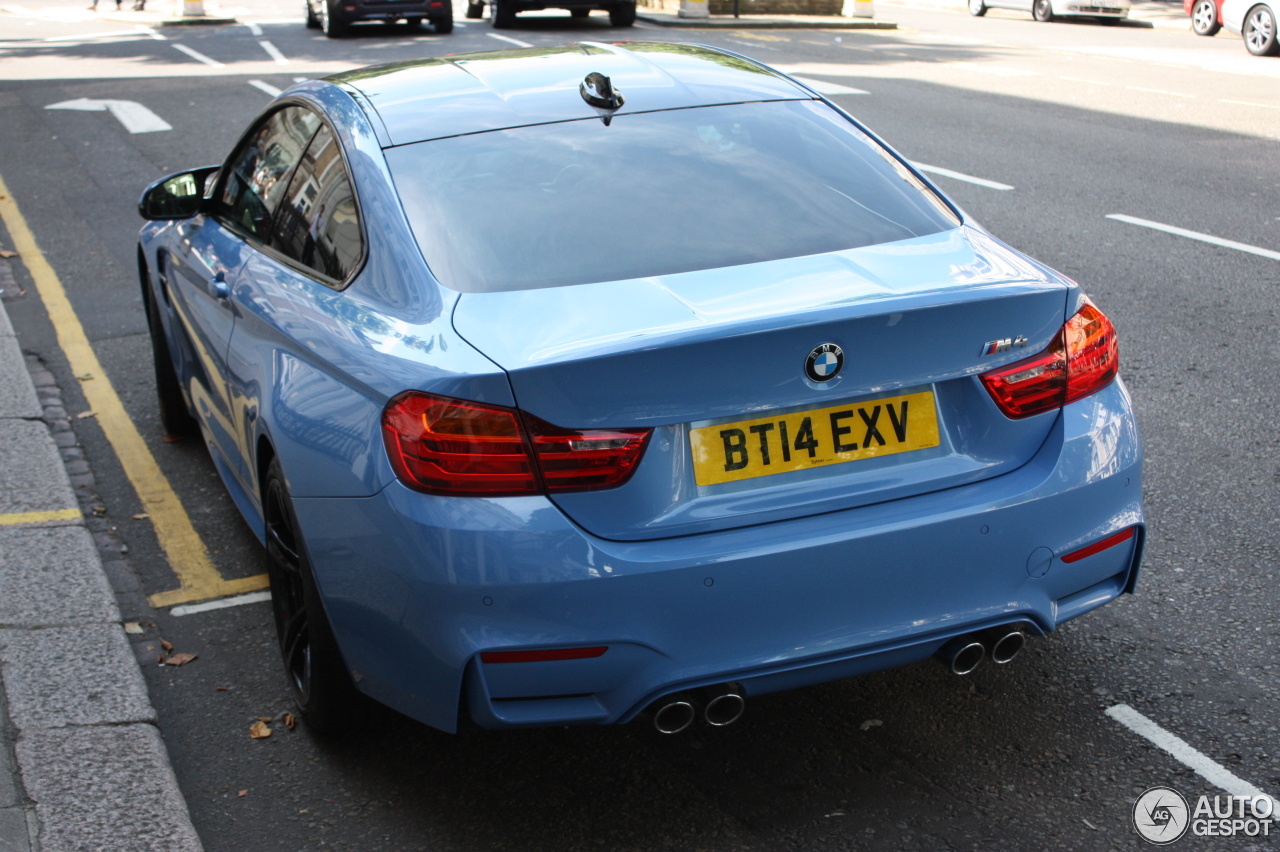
<point x="504" y="14"/>
<point x="313" y="23"/>
<point x="977" y="8"/>
<point x="174" y="416"/>
<point x="332" y="28"/>
<point x="443" y="26"/>
<point x="1042" y="10"/>
<point x="1204" y="18"/>
<point x="475" y="11"/>
<point x="623" y="15"/>
<point x="1259" y="31"/>
<point x="579" y="12"/>
<point x="327" y="699"/>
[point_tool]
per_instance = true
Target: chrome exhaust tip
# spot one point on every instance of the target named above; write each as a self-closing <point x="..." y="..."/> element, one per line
<point x="724" y="709"/>
<point x="962" y="655"/>
<point x="673" y="714"/>
<point x="1004" y="649"/>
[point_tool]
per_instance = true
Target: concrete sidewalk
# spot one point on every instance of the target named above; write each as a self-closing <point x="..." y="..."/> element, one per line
<point x="82" y="764"/>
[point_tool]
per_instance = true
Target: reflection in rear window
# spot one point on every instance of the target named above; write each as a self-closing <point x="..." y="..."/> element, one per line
<point x="654" y="194"/>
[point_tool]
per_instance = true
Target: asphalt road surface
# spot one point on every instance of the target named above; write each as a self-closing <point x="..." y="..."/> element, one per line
<point x="1077" y="122"/>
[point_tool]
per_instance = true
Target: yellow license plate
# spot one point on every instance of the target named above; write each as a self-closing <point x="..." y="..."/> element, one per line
<point x="784" y="442"/>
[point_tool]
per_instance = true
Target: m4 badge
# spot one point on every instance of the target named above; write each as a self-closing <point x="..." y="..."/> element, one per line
<point x="997" y="346"/>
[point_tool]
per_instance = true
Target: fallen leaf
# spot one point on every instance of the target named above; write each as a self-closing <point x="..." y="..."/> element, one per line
<point x="167" y="645"/>
<point x="133" y="627"/>
<point x="7" y="253"/>
<point x="243" y="793"/>
<point x="87" y="377"/>
<point x="222" y="688"/>
<point x="870" y="723"/>
<point x="141" y="516"/>
<point x="172" y="439"/>
<point x="260" y="730"/>
<point x="177" y="660"/>
<point x="290" y="721"/>
<point x="83" y="414"/>
<point x="264" y="718"/>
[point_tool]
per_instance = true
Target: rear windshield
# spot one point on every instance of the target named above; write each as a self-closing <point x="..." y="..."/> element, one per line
<point x="654" y="194"/>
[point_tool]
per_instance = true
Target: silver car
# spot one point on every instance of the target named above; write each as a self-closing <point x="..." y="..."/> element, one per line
<point x="1254" y="21"/>
<point x="1106" y="11"/>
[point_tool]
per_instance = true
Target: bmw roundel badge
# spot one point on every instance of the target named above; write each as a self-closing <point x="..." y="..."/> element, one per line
<point x="824" y="362"/>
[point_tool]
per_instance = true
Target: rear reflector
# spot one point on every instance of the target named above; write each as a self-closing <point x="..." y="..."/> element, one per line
<point x="542" y="656"/>
<point x="455" y="447"/>
<point x="1099" y="546"/>
<point x="1082" y="359"/>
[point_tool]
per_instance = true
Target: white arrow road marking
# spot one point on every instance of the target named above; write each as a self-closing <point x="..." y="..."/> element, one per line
<point x="1215" y="773"/>
<point x="273" y="52"/>
<point x="824" y="88"/>
<point x="198" y="56"/>
<point x="989" y="184"/>
<point x="1195" y="235"/>
<point x="517" y="42"/>
<point x="265" y="87"/>
<point x="134" y="116"/>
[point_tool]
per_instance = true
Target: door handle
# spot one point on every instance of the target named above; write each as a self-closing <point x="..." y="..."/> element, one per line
<point x="221" y="290"/>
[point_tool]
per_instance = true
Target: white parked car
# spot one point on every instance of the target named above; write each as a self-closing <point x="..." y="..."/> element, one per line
<point x="1106" y="11"/>
<point x="1255" y="22"/>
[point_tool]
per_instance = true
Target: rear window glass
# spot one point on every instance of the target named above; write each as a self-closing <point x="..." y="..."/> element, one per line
<point x="654" y="194"/>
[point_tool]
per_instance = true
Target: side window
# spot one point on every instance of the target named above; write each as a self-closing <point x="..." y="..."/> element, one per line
<point x="257" y="173"/>
<point x="317" y="224"/>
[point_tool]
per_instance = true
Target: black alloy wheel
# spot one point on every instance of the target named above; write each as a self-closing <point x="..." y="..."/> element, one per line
<point x="443" y="25"/>
<point x="504" y="14"/>
<point x="1204" y="18"/>
<point x="1259" y="31"/>
<point x="622" y="15"/>
<point x="327" y="699"/>
<point x="174" y="416"/>
<point x="1042" y="11"/>
<point x="331" y="27"/>
<point x="313" y="23"/>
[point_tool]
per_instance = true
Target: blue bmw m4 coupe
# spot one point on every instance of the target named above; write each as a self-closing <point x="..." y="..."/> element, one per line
<point x="567" y="385"/>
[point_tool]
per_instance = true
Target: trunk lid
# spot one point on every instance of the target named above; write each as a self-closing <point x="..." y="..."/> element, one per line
<point x="681" y="353"/>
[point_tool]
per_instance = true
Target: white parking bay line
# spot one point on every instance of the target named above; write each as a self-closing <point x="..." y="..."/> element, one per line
<point x="517" y="42"/>
<point x="142" y="28"/>
<point x="225" y="603"/>
<point x="989" y="184"/>
<point x="1249" y="103"/>
<point x="1215" y="773"/>
<point x="254" y="29"/>
<point x="273" y="52"/>
<point x="1195" y="235"/>
<point x="1158" y="92"/>
<point x="265" y="87"/>
<point x="824" y="88"/>
<point x="198" y="56"/>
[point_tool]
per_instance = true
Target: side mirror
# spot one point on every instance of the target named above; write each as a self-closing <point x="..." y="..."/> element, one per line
<point x="178" y="196"/>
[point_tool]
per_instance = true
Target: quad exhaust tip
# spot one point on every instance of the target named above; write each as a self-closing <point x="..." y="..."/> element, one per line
<point x="718" y="706"/>
<point x="963" y="655"/>
<point x="724" y="709"/>
<point x="674" y="714"/>
<point x="1005" y="648"/>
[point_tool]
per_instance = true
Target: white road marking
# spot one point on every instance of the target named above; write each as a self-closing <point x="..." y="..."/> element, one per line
<point x="198" y="56"/>
<point x="254" y="29"/>
<point x="1196" y="235"/>
<point x="265" y="87"/>
<point x="824" y="88"/>
<point x="1215" y="773"/>
<point x="89" y="36"/>
<point x="150" y="32"/>
<point x="134" y="116"/>
<point x="1249" y="103"/>
<point x="1081" y="80"/>
<point x="1159" y="92"/>
<point x="273" y="52"/>
<point x="301" y="79"/>
<point x="517" y="42"/>
<point x="989" y="184"/>
<point x="225" y="603"/>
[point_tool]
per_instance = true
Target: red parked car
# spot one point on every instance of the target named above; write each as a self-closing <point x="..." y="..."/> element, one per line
<point x="1206" y="16"/>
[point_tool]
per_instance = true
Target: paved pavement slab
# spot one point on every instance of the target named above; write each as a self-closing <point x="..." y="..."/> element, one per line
<point x="105" y="788"/>
<point x="47" y="578"/>
<point x="32" y="478"/>
<point x="72" y="676"/>
<point x="14" y="836"/>
<point x="17" y="396"/>
<point x="8" y="787"/>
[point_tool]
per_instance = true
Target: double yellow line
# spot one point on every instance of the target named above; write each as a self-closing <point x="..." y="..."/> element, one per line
<point x="186" y="553"/>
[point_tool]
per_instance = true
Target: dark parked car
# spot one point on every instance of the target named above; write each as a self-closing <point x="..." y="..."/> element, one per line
<point x="336" y="16"/>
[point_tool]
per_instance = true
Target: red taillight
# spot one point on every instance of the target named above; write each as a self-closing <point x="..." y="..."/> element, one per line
<point x="450" y="446"/>
<point x="572" y="459"/>
<point x="1082" y="359"/>
<point x="542" y="656"/>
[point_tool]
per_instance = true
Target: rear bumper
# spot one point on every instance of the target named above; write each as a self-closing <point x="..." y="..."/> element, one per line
<point x="417" y="586"/>
<point x="383" y="11"/>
